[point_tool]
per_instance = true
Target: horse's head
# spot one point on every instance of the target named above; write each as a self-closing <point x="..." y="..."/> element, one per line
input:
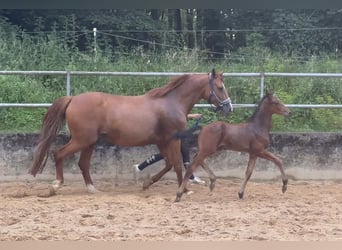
<point x="218" y="95"/>
<point x="276" y="106"/>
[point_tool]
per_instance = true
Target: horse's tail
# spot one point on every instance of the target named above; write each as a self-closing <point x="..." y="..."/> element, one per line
<point x="52" y="123"/>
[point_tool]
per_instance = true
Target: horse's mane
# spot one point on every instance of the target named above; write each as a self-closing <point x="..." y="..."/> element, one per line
<point x="174" y="83"/>
<point x="258" y="107"/>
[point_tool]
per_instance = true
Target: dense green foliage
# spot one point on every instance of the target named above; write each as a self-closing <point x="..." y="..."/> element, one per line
<point x="251" y="52"/>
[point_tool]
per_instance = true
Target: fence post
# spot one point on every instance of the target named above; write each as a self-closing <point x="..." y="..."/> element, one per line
<point x="262" y="84"/>
<point x="68" y="83"/>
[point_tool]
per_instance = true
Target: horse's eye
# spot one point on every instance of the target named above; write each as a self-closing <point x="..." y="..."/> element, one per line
<point x="220" y="88"/>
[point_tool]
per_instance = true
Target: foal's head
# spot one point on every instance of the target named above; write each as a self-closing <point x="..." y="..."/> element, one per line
<point x="275" y="106"/>
<point x="218" y="94"/>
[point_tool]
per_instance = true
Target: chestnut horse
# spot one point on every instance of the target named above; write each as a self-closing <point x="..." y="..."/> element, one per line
<point x="151" y="118"/>
<point x="252" y="137"/>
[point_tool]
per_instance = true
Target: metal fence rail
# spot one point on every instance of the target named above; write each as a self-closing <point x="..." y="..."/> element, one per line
<point x="261" y="75"/>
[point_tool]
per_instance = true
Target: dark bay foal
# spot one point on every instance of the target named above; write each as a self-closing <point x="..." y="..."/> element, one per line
<point x="252" y="137"/>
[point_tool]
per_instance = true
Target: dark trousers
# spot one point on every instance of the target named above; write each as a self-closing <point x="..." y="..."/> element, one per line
<point x="157" y="157"/>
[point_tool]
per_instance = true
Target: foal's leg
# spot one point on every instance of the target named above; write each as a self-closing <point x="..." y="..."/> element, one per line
<point x="271" y="157"/>
<point x="189" y="171"/>
<point x="197" y="161"/>
<point x="84" y="164"/>
<point x="248" y="174"/>
<point x="68" y="149"/>
<point x="212" y="176"/>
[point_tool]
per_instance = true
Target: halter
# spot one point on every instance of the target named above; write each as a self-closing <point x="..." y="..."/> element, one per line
<point x="221" y="103"/>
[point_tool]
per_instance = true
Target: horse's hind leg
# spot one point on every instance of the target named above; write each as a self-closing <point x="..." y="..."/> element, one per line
<point x="211" y="174"/>
<point x="248" y="174"/>
<point x="173" y="158"/>
<point x="84" y="164"/>
<point x="148" y="182"/>
<point x="271" y="157"/>
<point x="68" y="149"/>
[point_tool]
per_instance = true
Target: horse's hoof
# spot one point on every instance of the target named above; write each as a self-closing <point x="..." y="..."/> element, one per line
<point x="147" y="183"/>
<point x="240" y="195"/>
<point x="91" y="189"/>
<point x="56" y="184"/>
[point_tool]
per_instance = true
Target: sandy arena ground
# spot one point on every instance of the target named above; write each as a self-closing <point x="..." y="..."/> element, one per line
<point x="309" y="211"/>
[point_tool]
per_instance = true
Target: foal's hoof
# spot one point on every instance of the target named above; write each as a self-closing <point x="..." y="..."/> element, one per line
<point x="240" y="195"/>
<point x="178" y="197"/>
<point x="212" y="185"/>
<point x="284" y="188"/>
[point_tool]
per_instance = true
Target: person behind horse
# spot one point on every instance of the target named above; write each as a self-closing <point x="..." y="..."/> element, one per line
<point x="185" y="151"/>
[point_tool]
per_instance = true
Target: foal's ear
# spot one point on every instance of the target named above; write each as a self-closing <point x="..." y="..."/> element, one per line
<point x="269" y="92"/>
<point x="213" y="72"/>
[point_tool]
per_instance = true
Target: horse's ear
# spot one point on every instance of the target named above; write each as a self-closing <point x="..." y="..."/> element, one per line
<point x="213" y="72"/>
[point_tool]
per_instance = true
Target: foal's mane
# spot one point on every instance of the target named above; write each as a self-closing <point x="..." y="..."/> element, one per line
<point x="258" y="107"/>
<point x="173" y="84"/>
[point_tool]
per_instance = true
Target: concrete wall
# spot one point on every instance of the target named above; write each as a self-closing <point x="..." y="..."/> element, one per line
<point x="305" y="156"/>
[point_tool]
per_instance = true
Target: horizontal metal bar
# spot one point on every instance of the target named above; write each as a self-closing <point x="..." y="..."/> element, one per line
<point x="99" y="73"/>
<point x="92" y="73"/>
<point x="35" y="72"/>
<point x="314" y="105"/>
<point x="25" y="105"/>
<point x="304" y="74"/>
<point x="46" y="105"/>
<point x="287" y="105"/>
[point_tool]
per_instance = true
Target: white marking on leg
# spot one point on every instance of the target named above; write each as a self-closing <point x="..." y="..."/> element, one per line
<point x="56" y="184"/>
<point x="91" y="189"/>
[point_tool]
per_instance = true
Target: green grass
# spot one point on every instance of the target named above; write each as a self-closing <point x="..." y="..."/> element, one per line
<point x="27" y="53"/>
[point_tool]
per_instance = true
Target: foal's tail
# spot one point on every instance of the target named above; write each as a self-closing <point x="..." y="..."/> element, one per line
<point x="52" y="123"/>
<point x="188" y="133"/>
